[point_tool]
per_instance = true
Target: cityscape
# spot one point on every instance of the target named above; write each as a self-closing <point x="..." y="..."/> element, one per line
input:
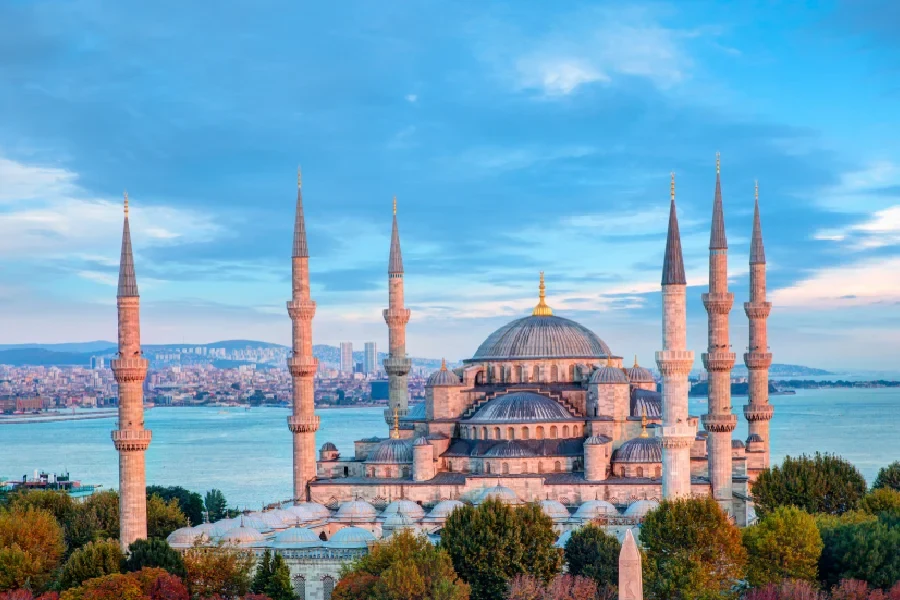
<point x="582" y="302"/>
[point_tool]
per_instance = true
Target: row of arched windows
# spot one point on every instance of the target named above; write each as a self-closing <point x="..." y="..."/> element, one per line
<point x="388" y="472"/>
<point x="300" y="587"/>
<point x="492" y="467"/>
<point x="520" y="432"/>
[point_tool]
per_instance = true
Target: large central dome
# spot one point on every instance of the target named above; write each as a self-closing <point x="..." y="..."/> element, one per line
<point x="537" y="337"/>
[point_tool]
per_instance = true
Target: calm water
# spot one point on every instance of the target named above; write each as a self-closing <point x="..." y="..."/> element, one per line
<point x="247" y="454"/>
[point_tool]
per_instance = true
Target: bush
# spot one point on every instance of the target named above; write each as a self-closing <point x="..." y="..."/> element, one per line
<point x="31" y="548"/>
<point x="786" y="590"/>
<point x="821" y="484"/>
<point x="94" y="559"/>
<point x="591" y="552"/>
<point x="888" y="477"/>
<point x="786" y="544"/>
<point x="154" y="553"/>
<point x="869" y="551"/>
<point x="881" y="500"/>
<point x="563" y="587"/>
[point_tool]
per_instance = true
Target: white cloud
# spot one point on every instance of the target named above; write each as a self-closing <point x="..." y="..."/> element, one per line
<point x="557" y="76"/>
<point x="880" y="230"/>
<point x="22" y="182"/>
<point x="861" y="188"/>
<point x="863" y="283"/>
<point x="411" y="98"/>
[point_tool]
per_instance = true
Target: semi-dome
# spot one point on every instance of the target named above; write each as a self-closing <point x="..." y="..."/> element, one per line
<point x="609" y="375"/>
<point x="593" y="509"/>
<point x="638" y="374"/>
<point x="421" y="441"/>
<point x="639" y="450"/>
<point x="442" y="510"/>
<point x="639" y="509"/>
<point x="539" y="336"/>
<point x="245" y="537"/>
<point x="356" y="510"/>
<point x="350" y="538"/>
<point x="296" y="537"/>
<point x="555" y="510"/>
<point x="509" y="449"/>
<point x="392" y="451"/>
<point x="498" y="492"/>
<point x="443" y="377"/>
<point x="646" y="403"/>
<point x="404" y="507"/>
<point x="597" y="440"/>
<point x="328" y="447"/>
<point x="521" y="407"/>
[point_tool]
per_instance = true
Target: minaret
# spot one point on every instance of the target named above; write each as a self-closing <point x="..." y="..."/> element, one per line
<point x="303" y="421"/>
<point x="675" y="362"/>
<point x="396" y="365"/>
<point x="130" y="369"/>
<point x="758" y="358"/>
<point x="718" y="359"/>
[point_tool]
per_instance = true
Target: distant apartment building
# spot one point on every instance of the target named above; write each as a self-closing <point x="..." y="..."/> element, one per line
<point x="346" y="357"/>
<point x="97" y="362"/>
<point x="370" y="359"/>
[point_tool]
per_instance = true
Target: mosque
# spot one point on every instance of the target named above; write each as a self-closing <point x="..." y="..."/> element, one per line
<point x="544" y="411"/>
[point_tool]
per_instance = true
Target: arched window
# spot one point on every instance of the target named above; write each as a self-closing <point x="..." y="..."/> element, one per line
<point x="449" y="466"/>
<point x="574" y="430"/>
<point x="659" y="471"/>
<point x="540" y="432"/>
<point x="540" y="467"/>
<point x="484" y="433"/>
<point x="553" y="432"/>
<point x="505" y="468"/>
<point x="621" y="471"/>
<point x="571" y="372"/>
<point x="565" y="431"/>
<point x="557" y="467"/>
<point x="524" y="433"/>
<point x="554" y="373"/>
<point x="519" y="374"/>
<point x="487" y="468"/>
<point x="640" y="471"/>
<point x="327" y="587"/>
<point x="371" y="471"/>
<point x="496" y="433"/>
<point x="406" y="472"/>
<point x="536" y="373"/>
<point x="300" y="587"/>
<point x="510" y="433"/>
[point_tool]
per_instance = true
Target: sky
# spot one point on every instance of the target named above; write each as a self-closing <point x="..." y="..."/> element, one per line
<point x="518" y="137"/>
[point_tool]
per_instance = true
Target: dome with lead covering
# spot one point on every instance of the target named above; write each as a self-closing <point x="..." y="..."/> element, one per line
<point x="404" y="507"/>
<point x="392" y="451"/>
<point x="328" y="447"/>
<point x="639" y="509"/>
<point x="593" y="509"/>
<point x="350" y="538"/>
<point x="638" y="374"/>
<point x="609" y="375"/>
<point x="356" y="510"/>
<point x="184" y="537"/>
<point x="245" y="537"/>
<point x="443" y="377"/>
<point x="639" y="450"/>
<point x="509" y="449"/>
<point x="521" y="407"/>
<point x="498" y="492"/>
<point x="309" y="511"/>
<point x="296" y="537"/>
<point x="443" y="509"/>
<point x="555" y="510"/>
<point x="540" y="336"/>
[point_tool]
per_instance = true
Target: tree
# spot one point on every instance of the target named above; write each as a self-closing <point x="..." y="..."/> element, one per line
<point x="868" y="550"/>
<point x="493" y="542"/>
<point x="273" y="578"/>
<point x="94" y="559"/>
<point x="154" y="553"/>
<point x="692" y="551"/>
<point x="146" y="584"/>
<point x="163" y="517"/>
<point x="888" y="477"/>
<point x="103" y="508"/>
<point x="216" y="506"/>
<point x="593" y="553"/>
<point x="786" y="544"/>
<point x="31" y="547"/>
<point x="406" y="567"/>
<point x="563" y="587"/>
<point x="879" y="500"/>
<point x="821" y="484"/>
<point x="221" y="569"/>
<point x="190" y="503"/>
<point x="786" y="590"/>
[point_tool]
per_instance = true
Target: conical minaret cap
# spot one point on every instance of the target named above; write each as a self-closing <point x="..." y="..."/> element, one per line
<point x="300" y="248"/>
<point x="127" y="281"/>
<point x="717" y="240"/>
<point x="673" y="262"/>
<point x="395" y="262"/>
<point x="757" y="250"/>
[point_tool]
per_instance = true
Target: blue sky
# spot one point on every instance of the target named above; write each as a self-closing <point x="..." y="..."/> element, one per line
<point x="517" y="136"/>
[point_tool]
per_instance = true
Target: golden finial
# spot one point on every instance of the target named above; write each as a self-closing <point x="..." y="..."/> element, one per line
<point x="644" y="433"/>
<point x="126" y="203"/>
<point x="542" y="310"/>
<point x="395" y="205"/>
<point x="717" y="163"/>
<point x="299" y="177"/>
<point x="443" y="364"/>
<point x="395" y="430"/>
<point x="672" y="187"/>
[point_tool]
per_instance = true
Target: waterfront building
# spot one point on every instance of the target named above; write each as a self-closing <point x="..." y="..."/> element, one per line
<point x="370" y="358"/>
<point x="346" y="358"/>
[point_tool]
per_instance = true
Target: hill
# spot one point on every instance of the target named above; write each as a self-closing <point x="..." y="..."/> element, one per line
<point x="783" y="370"/>
<point x="19" y="357"/>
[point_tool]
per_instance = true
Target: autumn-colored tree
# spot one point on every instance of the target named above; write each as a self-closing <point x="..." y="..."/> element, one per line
<point x="163" y="517"/>
<point x="406" y="567"/>
<point x="190" y="503"/>
<point x="888" y="477"/>
<point x="592" y="552"/>
<point x="146" y="584"/>
<point x="94" y="559"/>
<point x="786" y="590"/>
<point x="154" y="553"/>
<point x="823" y="483"/>
<point x="27" y="595"/>
<point x="563" y="587"/>
<point x="879" y="500"/>
<point x="785" y="544"/>
<point x="57" y="503"/>
<point x="692" y="551"/>
<point x="492" y="543"/>
<point x="221" y="569"/>
<point x="31" y="548"/>
<point x="97" y="518"/>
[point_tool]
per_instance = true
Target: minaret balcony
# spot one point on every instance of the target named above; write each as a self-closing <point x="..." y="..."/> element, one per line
<point x="301" y="309"/>
<point x="300" y="424"/>
<point x="757" y="310"/>
<point x="718" y="361"/>
<point x="674" y="362"/>
<point x="758" y="412"/>
<point x="302" y="366"/>
<point x="719" y="423"/>
<point x="396" y="316"/>
<point x="718" y="304"/>
<point x="129" y="369"/>
<point x="131" y="440"/>
<point x="397" y="365"/>
<point x="758" y="360"/>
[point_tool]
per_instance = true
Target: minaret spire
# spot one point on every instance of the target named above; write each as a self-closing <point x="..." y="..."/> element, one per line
<point x="300" y="248"/>
<point x="395" y="261"/>
<point x="673" y="262"/>
<point x="127" y="280"/>
<point x="397" y="365"/>
<point x="757" y="250"/>
<point x="717" y="239"/>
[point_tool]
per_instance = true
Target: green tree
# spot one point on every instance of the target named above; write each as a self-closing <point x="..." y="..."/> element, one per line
<point x="867" y="550"/>
<point x="216" y="506"/>
<point x="31" y="548"/>
<point x="154" y="553"/>
<point x="879" y="500"/>
<point x="406" y="567"/>
<point x="222" y="569"/>
<point x="786" y="544"/>
<point x="493" y="542"/>
<point x="273" y="578"/>
<point x="888" y="477"/>
<point x="692" y="551"/>
<point x="163" y="517"/>
<point x="591" y="552"/>
<point x="190" y="503"/>
<point x="94" y="559"/>
<point x="823" y="483"/>
<point x="104" y="510"/>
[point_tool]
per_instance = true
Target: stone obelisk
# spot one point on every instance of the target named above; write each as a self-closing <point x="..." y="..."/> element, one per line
<point x="130" y="369"/>
<point x="631" y="579"/>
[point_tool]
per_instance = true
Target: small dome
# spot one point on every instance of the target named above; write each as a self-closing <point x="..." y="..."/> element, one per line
<point x="521" y="407"/>
<point x="421" y="441"/>
<point x="309" y="511"/>
<point x="646" y="403"/>
<point x="287" y="518"/>
<point x="245" y="537"/>
<point x="404" y="507"/>
<point x="509" y="449"/>
<point x="223" y="526"/>
<point x="610" y="375"/>
<point x="593" y="509"/>
<point x="597" y="440"/>
<point x="442" y="510"/>
<point x="563" y="538"/>
<point x="397" y="521"/>
<point x="639" y="509"/>
<point x="737" y="444"/>
<point x="540" y="336"/>
<point x="356" y="510"/>
<point x="443" y="377"/>
<point x="393" y="451"/>
<point x="754" y="437"/>
<point x="263" y="521"/>
<point x="350" y="538"/>
<point x="296" y="537"/>
<point x="639" y="450"/>
<point x="184" y="537"/>
<point x="637" y="374"/>
<point x="498" y="492"/>
<point x="555" y="510"/>
<point x="328" y="447"/>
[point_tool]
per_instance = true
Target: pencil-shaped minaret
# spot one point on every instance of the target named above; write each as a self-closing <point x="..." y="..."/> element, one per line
<point x="130" y="369"/>
<point x="303" y="421"/>
<point x="397" y="365"/>
<point x="758" y="358"/>
<point x="719" y="359"/>
<point x="675" y="362"/>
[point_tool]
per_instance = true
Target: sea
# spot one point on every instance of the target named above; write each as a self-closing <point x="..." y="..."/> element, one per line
<point x="247" y="453"/>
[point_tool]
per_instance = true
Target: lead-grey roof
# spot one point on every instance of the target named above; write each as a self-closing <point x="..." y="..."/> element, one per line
<point x="391" y="452"/>
<point x="521" y="407"/>
<point x="300" y="249"/>
<point x="545" y="447"/>
<point x="646" y="403"/>
<point x="510" y="449"/>
<point x="757" y="250"/>
<point x="639" y="450"/>
<point x="605" y="375"/>
<point x="673" y="262"/>
<point x="395" y="261"/>
<point x="536" y="337"/>
<point x="127" y="281"/>
<point x="717" y="240"/>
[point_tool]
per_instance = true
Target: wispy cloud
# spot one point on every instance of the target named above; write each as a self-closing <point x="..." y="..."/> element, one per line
<point x="868" y="282"/>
